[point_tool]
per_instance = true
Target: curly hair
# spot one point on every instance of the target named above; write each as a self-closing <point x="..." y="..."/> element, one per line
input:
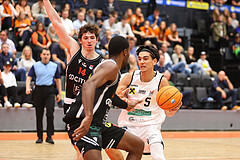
<point x="92" y="28"/>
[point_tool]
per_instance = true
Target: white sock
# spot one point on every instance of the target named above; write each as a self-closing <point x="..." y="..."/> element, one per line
<point x="157" y="151"/>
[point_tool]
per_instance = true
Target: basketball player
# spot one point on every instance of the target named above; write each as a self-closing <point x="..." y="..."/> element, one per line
<point x="86" y="116"/>
<point x="147" y="118"/>
<point x="81" y="62"/>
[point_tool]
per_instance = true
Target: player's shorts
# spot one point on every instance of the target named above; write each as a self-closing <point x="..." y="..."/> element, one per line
<point x="149" y="134"/>
<point x="98" y="137"/>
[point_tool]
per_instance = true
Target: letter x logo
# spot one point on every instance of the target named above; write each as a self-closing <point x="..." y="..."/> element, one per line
<point x="132" y="91"/>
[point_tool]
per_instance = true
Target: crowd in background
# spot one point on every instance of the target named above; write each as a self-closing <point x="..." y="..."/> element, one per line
<point x="27" y="29"/>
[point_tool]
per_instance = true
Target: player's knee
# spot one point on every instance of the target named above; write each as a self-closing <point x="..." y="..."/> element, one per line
<point x="139" y="146"/>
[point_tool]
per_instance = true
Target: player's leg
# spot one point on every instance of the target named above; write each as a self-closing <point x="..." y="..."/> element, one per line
<point x="114" y="154"/>
<point x="156" y="150"/>
<point x="93" y="154"/>
<point x="132" y="144"/>
<point x="78" y="155"/>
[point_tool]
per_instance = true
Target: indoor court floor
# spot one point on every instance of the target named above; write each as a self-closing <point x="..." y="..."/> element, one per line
<point x="178" y="146"/>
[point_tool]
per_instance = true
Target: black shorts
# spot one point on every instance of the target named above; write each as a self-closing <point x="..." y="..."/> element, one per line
<point x="98" y="137"/>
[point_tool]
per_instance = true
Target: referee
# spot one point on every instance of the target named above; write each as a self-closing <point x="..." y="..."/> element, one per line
<point x="44" y="72"/>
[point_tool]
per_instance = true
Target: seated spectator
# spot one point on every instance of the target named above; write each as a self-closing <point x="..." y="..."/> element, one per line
<point x="26" y="61"/>
<point x="204" y="64"/>
<point x="104" y="42"/>
<point x="90" y="17"/>
<point x="147" y="33"/>
<point x="59" y="56"/>
<point x="161" y="66"/>
<point x="23" y="30"/>
<point x="67" y="23"/>
<point x="40" y="40"/>
<point x="22" y="6"/>
<point x="172" y="35"/>
<point x="99" y="18"/>
<point x="6" y="57"/>
<point x="135" y="28"/>
<point x="52" y="34"/>
<point x="155" y="18"/>
<point x="186" y="95"/>
<point x="160" y="32"/>
<point x="79" y="22"/>
<point x="39" y="13"/>
<point x="74" y="5"/>
<point x="109" y="24"/>
<point x="3" y="93"/>
<point x="179" y="61"/>
<point x="191" y="60"/>
<point x="234" y="22"/>
<point x="129" y="14"/>
<point x="132" y="63"/>
<point x="132" y="46"/>
<point x="236" y="2"/>
<point x="109" y="6"/>
<point x="164" y="49"/>
<point x="85" y="4"/>
<point x="10" y="83"/>
<point x="4" y="39"/>
<point x="220" y="33"/>
<point x="7" y="13"/>
<point x="139" y="16"/>
<point x="218" y="93"/>
<point x="124" y="28"/>
<point x="236" y="46"/>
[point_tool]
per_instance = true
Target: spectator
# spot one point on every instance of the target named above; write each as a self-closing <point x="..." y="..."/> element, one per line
<point x="40" y="40"/>
<point x="90" y="17"/>
<point x="7" y="12"/>
<point x="59" y="55"/>
<point x="20" y="74"/>
<point x="191" y="60"/>
<point x="218" y="93"/>
<point x="235" y="22"/>
<point x="3" y="93"/>
<point x="161" y="66"/>
<point x="74" y="5"/>
<point x="179" y="61"/>
<point x="109" y="24"/>
<point x="139" y="16"/>
<point x="186" y="94"/>
<point x="85" y="4"/>
<point x="67" y="23"/>
<point x="52" y="34"/>
<point x="132" y="46"/>
<point x="214" y="16"/>
<point x="39" y="13"/>
<point x="79" y="22"/>
<point x="22" y="6"/>
<point x="10" y="83"/>
<point x="129" y="14"/>
<point x="136" y="30"/>
<point x="45" y="72"/>
<point x="155" y="18"/>
<point x="172" y="35"/>
<point x="99" y="18"/>
<point x="104" y="42"/>
<point x="164" y="49"/>
<point x="236" y="2"/>
<point x="230" y="30"/>
<point x="220" y="33"/>
<point x="124" y="28"/>
<point x="4" y="39"/>
<point x="204" y="64"/>
<point x="132" y="63"/>
<point x="236" y="46"/>
<point x="226" y="14"/>
<point x="26" y="61"/>
<point x="147" y="33"/>
<point x="23" y="29"/>
<point x="109" y="6"/>
<point x="160" y="32"/>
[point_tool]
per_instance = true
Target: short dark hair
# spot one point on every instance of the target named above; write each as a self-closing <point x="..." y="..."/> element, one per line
<point x="46" y="49"/>
<point x="5" y="31"/>
<point x="92" y="28"/>
<point x="151" y="49"/>
<point x="116" y="45"/>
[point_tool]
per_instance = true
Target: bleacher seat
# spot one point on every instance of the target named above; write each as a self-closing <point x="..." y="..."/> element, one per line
<point x="195" y="80"/>
<point x="181" y="79"/>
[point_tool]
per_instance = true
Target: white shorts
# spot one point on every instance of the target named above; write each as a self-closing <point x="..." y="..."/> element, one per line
<point x="149" y="134"/>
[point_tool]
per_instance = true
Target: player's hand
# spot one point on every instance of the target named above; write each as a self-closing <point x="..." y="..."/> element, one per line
<point x="28" y="90"/>
<point x="176" y="108"/>
<point x="58" y="97"/>
<point x="122" y="92"/>
<point x="132" y="104"/>
<point x="82" y="129"/>
<point x="224" y="95"/>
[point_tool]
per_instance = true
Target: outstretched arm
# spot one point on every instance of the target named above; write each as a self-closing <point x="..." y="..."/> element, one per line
<point x="106" y="72"/>
<point x="66" y="40"/>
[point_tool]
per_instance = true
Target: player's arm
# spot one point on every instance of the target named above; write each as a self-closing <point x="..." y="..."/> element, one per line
<point x="105" y="73"/>
<point x="123" y="84"/>
<point x="169" y="113"/>
<point x="66" y="40"/>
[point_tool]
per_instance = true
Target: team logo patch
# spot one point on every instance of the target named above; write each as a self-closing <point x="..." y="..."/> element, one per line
<point x="173" y="101"/>
<point x="84" y="64"/>
<point x="131" y="90"/>
<point x="79" y="61"/>
<point x="151" y="92"/>
<point x="91" y="67"/>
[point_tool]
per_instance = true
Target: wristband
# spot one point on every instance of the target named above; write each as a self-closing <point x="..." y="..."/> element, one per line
<point x="116" y="101"/>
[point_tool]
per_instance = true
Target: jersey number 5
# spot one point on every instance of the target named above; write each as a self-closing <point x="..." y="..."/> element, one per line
<point x="147" y="100"/>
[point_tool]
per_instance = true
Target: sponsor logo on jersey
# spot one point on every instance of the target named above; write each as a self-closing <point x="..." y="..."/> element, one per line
<point x="107" y="124"/>
<point x="77" y="79"/>
<point x="84" y="64"/>
<point x="134" y="85"/>
<point x="91" y="67"/>
<point x="95" y="138"/>
<point x="131" y="90"/>
<point x="151" y="92"/>
<point x="131" y="119"/>
<point x="109" y="102"/>
<point x="142" y="92"/>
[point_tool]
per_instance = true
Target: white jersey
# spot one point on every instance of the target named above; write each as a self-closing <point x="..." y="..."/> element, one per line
<point x="148" y="112"/>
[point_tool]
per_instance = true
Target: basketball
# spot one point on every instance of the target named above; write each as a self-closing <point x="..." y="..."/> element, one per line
<point x="168" y="97"/>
